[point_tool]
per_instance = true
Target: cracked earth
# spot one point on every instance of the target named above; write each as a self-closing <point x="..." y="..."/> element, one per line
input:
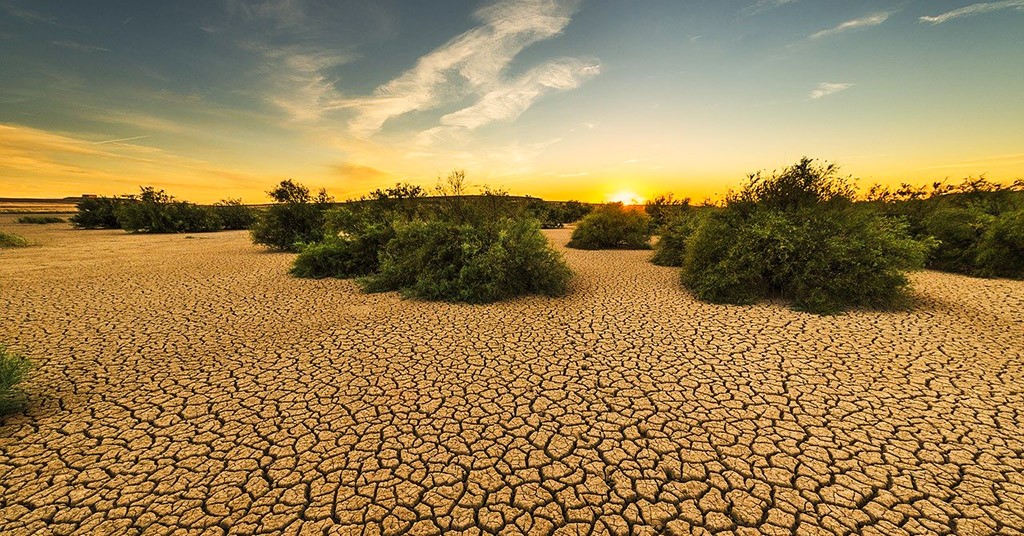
<point x="190" y="386"/>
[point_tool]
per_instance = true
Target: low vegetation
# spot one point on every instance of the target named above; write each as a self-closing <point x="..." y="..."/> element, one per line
<point x="295" y="219"/>
<point x="41" y="220"/>
<point x="612" y="226"/>
<point x="11" y="240"/>
<point x="13" y="368"/>
<point x="977" y="224"/>
<point x="799" y="236"/>
<point x="156" y="211"/>
<point x="451" y="247"/>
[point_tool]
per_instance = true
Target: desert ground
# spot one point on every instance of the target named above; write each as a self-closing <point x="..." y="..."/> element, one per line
<point x="185" y="384"/>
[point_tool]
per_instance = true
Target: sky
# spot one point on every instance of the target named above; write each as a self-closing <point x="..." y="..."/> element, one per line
<point x="560" y="99"/>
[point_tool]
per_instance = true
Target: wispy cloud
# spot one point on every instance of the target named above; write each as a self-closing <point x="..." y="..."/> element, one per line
<point x="825" y="89"/>
<point x="513" y="98"/>
<point x="104" y="142"/>
<point x="78" y="47"/>
<point x="475" y="63"/>
<point x="27" y="15"/>
<point x="863" y="22"/>
<point x="973" y="9"/>
<point x="764" y="5"/>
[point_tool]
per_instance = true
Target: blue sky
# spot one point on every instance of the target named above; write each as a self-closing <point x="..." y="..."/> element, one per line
<point x="556" y="98"/>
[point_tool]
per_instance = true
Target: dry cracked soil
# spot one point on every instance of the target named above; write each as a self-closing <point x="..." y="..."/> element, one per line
<point x="188" y="385"/>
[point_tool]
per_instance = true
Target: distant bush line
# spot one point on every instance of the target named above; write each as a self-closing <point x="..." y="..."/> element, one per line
<point x="448" y="247"/>
<point x="41" y="220"/>
<point x="155" y="211"/>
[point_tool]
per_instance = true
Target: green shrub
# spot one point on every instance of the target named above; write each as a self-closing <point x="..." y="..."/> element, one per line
<point x="40" y="220"/>
<point x="1000" y="250"/>
<point x="233" y="215"/>
<point x="13" y="368"/>
<point x="958" y="231"/>
<point x="155" y="211"/>
<point x="797" y="235"/>
<point x="612" y="226"/>
<point x="670" y="250"/>
<point x="351" y="254"/>
<point x="11" y="240"/>
<point x="664" y="209"/>
<point x="465" y="262"/>
<point x="97" y="213"/>
<point x="295" y="218"/>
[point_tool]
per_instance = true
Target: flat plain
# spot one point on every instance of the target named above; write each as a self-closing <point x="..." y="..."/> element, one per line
<point x="185" y="384"/>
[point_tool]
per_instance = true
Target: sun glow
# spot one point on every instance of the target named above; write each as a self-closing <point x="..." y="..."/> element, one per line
<point x="626" y="197"/>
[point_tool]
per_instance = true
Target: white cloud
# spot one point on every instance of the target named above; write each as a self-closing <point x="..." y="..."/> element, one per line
<point x="474" y="63"/>
<point x="973" y="9"/>
<point x="825" y="89"/>
<point x="765" y="5"/>
<point x="863" y="22"/>
<point x="509" y="100"/>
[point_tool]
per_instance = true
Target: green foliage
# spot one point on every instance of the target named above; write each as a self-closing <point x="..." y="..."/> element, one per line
<point x="296" y="218"/>
<point x="1000" y="251"/>
<point x="670" y="250"/>
<point x="612" y="226"/>
<point x="352" y="247"/>
<point x="233" y="215"/>
<point x="664" y="209"/>
<point x="11" y="240"/>
<point x="466" y="262"/>
<point x="797" y="235"/>
<point x="13" y="368"/>
<point x="958" y="230"/>
<point x="155" y="211"/>
<point x="40" y="220"/>
<point x="97" y="213"/>
<point x="962" y="218"/>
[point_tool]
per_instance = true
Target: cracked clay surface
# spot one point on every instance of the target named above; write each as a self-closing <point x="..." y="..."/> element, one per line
<point x="190" y="386"/>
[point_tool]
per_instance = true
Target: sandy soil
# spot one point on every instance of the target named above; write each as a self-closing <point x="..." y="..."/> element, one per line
<point x="188" y="385"/>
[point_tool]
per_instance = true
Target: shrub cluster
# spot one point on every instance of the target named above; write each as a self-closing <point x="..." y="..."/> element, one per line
<point x="799" y="236"/>
<point x="452" y="248"/>
<point x="670" y="250"/>
<point x="156" y="211"/>
<point x="11" y="240"/>
<point x="977" y="224"/>
<point x="612" y="226"/>
<point x="664" y="209"/>
<point x="40" y="220"/>
<point x="296" y="218"/>
<point x="13" y="368"/>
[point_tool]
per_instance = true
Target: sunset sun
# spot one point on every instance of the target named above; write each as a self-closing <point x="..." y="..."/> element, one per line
<point x="626" y="197"/>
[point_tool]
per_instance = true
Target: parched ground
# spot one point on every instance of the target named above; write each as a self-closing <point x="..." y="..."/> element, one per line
<point x="188" y="385"/>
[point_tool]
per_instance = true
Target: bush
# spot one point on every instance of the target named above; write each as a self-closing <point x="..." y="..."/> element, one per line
<point x="97" y="213"/>
<point x="13" y="368"/>
<point x="664" y="209"/>
<point x="351" y="253"/>
<point x="465" y="262"/>
<point x="297" y="218"/>
<point x="11" y="240"/>
<point x="233" y="215"/>
<point x="797" y="235"/>
<point x="155" y="211"/>
<point x="670" y="250"/>
<point x="1000" y="250"/>
<point x="40" y="220"/>
<point x="612" y="226"/>
<point x="958" y="231"/>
